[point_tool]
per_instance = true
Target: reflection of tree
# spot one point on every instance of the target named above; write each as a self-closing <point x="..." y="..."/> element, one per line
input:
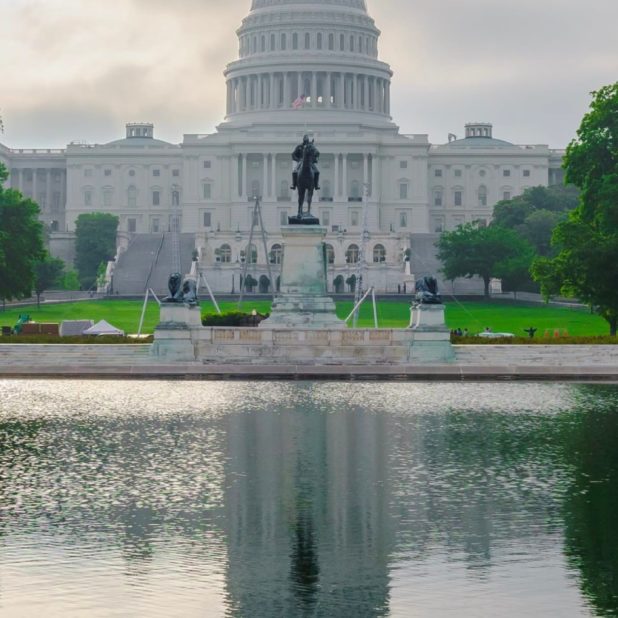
<point x="591" y="509"/>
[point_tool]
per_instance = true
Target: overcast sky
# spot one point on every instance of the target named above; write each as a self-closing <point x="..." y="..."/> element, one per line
<point x="79" y="69"/>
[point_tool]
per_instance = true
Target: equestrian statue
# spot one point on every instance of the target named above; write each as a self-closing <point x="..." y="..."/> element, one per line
<point x="305" y="179"/>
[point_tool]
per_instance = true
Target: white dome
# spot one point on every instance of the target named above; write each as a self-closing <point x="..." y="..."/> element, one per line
<point x="321" y="54"/>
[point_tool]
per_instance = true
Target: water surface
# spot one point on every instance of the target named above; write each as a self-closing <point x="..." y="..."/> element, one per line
<point x="307" y="499"/>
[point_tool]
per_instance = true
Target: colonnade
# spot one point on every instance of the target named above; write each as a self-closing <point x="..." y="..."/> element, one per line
<point x="322" y="89"/>
<point x="43" y="187"/>
<point x="338" y="174"/>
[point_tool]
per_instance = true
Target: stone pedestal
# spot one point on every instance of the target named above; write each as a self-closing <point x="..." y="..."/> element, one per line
<point x="172" y="339"/>
<point x="302" y="301"/>
<point x="432" y="339"/>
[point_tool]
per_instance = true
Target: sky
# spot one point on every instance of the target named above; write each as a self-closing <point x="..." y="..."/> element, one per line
<point x="78" y="70"/>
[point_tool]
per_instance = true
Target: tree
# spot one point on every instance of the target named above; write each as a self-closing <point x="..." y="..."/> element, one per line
<point x="586" y="264"/>
<point x="21" y="242"/>
<point x="472" y="250"/>
<point x="70" y="281"/>
<point x="48" y="273"/>
<point x="95" y="242"/>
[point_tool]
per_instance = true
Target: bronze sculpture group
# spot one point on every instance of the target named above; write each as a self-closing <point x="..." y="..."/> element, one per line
<point x="305" y="179"/>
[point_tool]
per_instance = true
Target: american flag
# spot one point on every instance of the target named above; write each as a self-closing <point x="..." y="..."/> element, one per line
<point x="298" y="103"/>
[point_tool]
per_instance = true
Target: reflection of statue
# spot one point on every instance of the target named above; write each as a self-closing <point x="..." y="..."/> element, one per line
<point x="427" y="291"/>
<point x="181" y="292"/>
<point x="306" y="178"/>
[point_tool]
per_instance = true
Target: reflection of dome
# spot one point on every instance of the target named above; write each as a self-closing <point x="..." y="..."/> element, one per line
<point x="354" y="4"/>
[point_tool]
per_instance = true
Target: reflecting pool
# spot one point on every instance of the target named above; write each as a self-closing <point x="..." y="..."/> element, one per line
<point x="307" y="499"/>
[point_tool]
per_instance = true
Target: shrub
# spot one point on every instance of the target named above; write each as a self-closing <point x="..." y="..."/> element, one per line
<point x="232" y="318"/>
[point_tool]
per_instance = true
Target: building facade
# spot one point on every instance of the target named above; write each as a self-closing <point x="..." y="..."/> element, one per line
<point x="382" y="191"/>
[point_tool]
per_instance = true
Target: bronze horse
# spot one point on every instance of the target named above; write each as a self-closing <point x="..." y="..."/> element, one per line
<point x="306" y="180"/>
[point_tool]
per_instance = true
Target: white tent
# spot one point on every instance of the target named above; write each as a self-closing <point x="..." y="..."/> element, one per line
<point x="104" y="328"/>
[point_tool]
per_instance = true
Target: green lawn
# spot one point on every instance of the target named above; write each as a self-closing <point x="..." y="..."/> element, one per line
<point x="475" y="316"/>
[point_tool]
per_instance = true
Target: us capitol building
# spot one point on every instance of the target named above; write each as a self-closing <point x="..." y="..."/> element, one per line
<point x="326" y="50"/>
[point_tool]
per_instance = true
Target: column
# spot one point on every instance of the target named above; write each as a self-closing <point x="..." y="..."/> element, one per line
<point x="381" y="96"/>
<point x="376" y="105"/>
<point x="48" y="200"/>
<point x="341" y="91"/>
<point x="344" y="188"/>
<point x="365" y="170"/>
<point x="327" y="90"/>
<point x="299" y="85"/>
<point x="314" y="89"/>
<point x="273" y="175"/>
<point x="271" y="102"/>
<point x="243" y="185"/>
<point x="388" y="98"/>
<point x="259" y="91"/>
<point x="336" y="191"/>
<point x="366" y="85"/>
<point x="287" y="101"/>
<point x="265" y="181"/>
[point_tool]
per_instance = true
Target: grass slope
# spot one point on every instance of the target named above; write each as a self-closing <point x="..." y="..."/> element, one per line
<point x="475" y="316"/>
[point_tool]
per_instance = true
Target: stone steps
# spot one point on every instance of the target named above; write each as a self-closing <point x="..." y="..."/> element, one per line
<point x="54" y="355"/>
<point x="554" y="355"/>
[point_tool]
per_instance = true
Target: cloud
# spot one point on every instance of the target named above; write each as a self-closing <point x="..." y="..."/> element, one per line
<point x="528" y="66"/>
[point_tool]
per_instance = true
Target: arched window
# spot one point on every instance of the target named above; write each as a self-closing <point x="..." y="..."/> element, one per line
<point x="252" y="255"/>
<point x="379" y="254"/>
<point x="331" y="41"/>
<point x="276" y="253"/>
<point x="225" y="254"/>
<point x="307" y="40"/>
<point x="319" y="40"/>
<point x="330" y="254"/>
<point x="482" y="195"/>
<point x="351" y="255"/>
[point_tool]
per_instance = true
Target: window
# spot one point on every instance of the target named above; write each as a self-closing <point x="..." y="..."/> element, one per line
<point x="331" y="42"/>
<point x="276" y="254"/>
<point x="155" y="226"/>
<point x="107" y="172"/>
<point x="207" y="219"/>
<point x="88" y="198"/>
<point x="506" y="173"/>
<point x="225" y="254"/>
<point x="156" y="173"/>
<point x="175" y="198"/>
<point x="438" y="173"/>
<point x="207" y="165"/>
<point x="107" y="198"/>
<point x="403" y="165"/>
<point x="330" y="254"/>
<point x="355" y="191"/>
<point x="131" y="225"/>
<point x="272" y="42"/>
<point x="403" y="220"/>
<point x="457" y="173"/>
<point x="326" y="218"/>
<point x="403" y="191"/>
<point x="379" y="254"/>
<point x="284" y="41"/>
<point x="295" y="41"/>
<point x="506" y="195"/>
<point x="438" y="225"/>
<point x="482" y="173"/>
<point x="354" y="218"/>
<point x="437" y="198"/>
<point x="255" y="189"/>
<point x="283" y="217"/>
<point x="284" y="191"/>
<point x="351" y="43"/>
<point x="526" y="173"/>
<point x="458" y="198"/>
<point x="175" y="173"/>
<point x="87" y="173"/>
<point x="351" y="255"/>
<point x="132" y="173"/>
<point x="319" y="40"/>
<point x="207" y="191"/>
<point x="342" y="42"/>
<point x="252" y="256"/>
<point x="482" y="196"/>
<point x="132" y="197"/>
<point x="307" y="40"/>
<point x="156" y="198"/>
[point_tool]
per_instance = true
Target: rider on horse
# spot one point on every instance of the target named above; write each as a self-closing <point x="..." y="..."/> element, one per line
<point x="297" y="155"/>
